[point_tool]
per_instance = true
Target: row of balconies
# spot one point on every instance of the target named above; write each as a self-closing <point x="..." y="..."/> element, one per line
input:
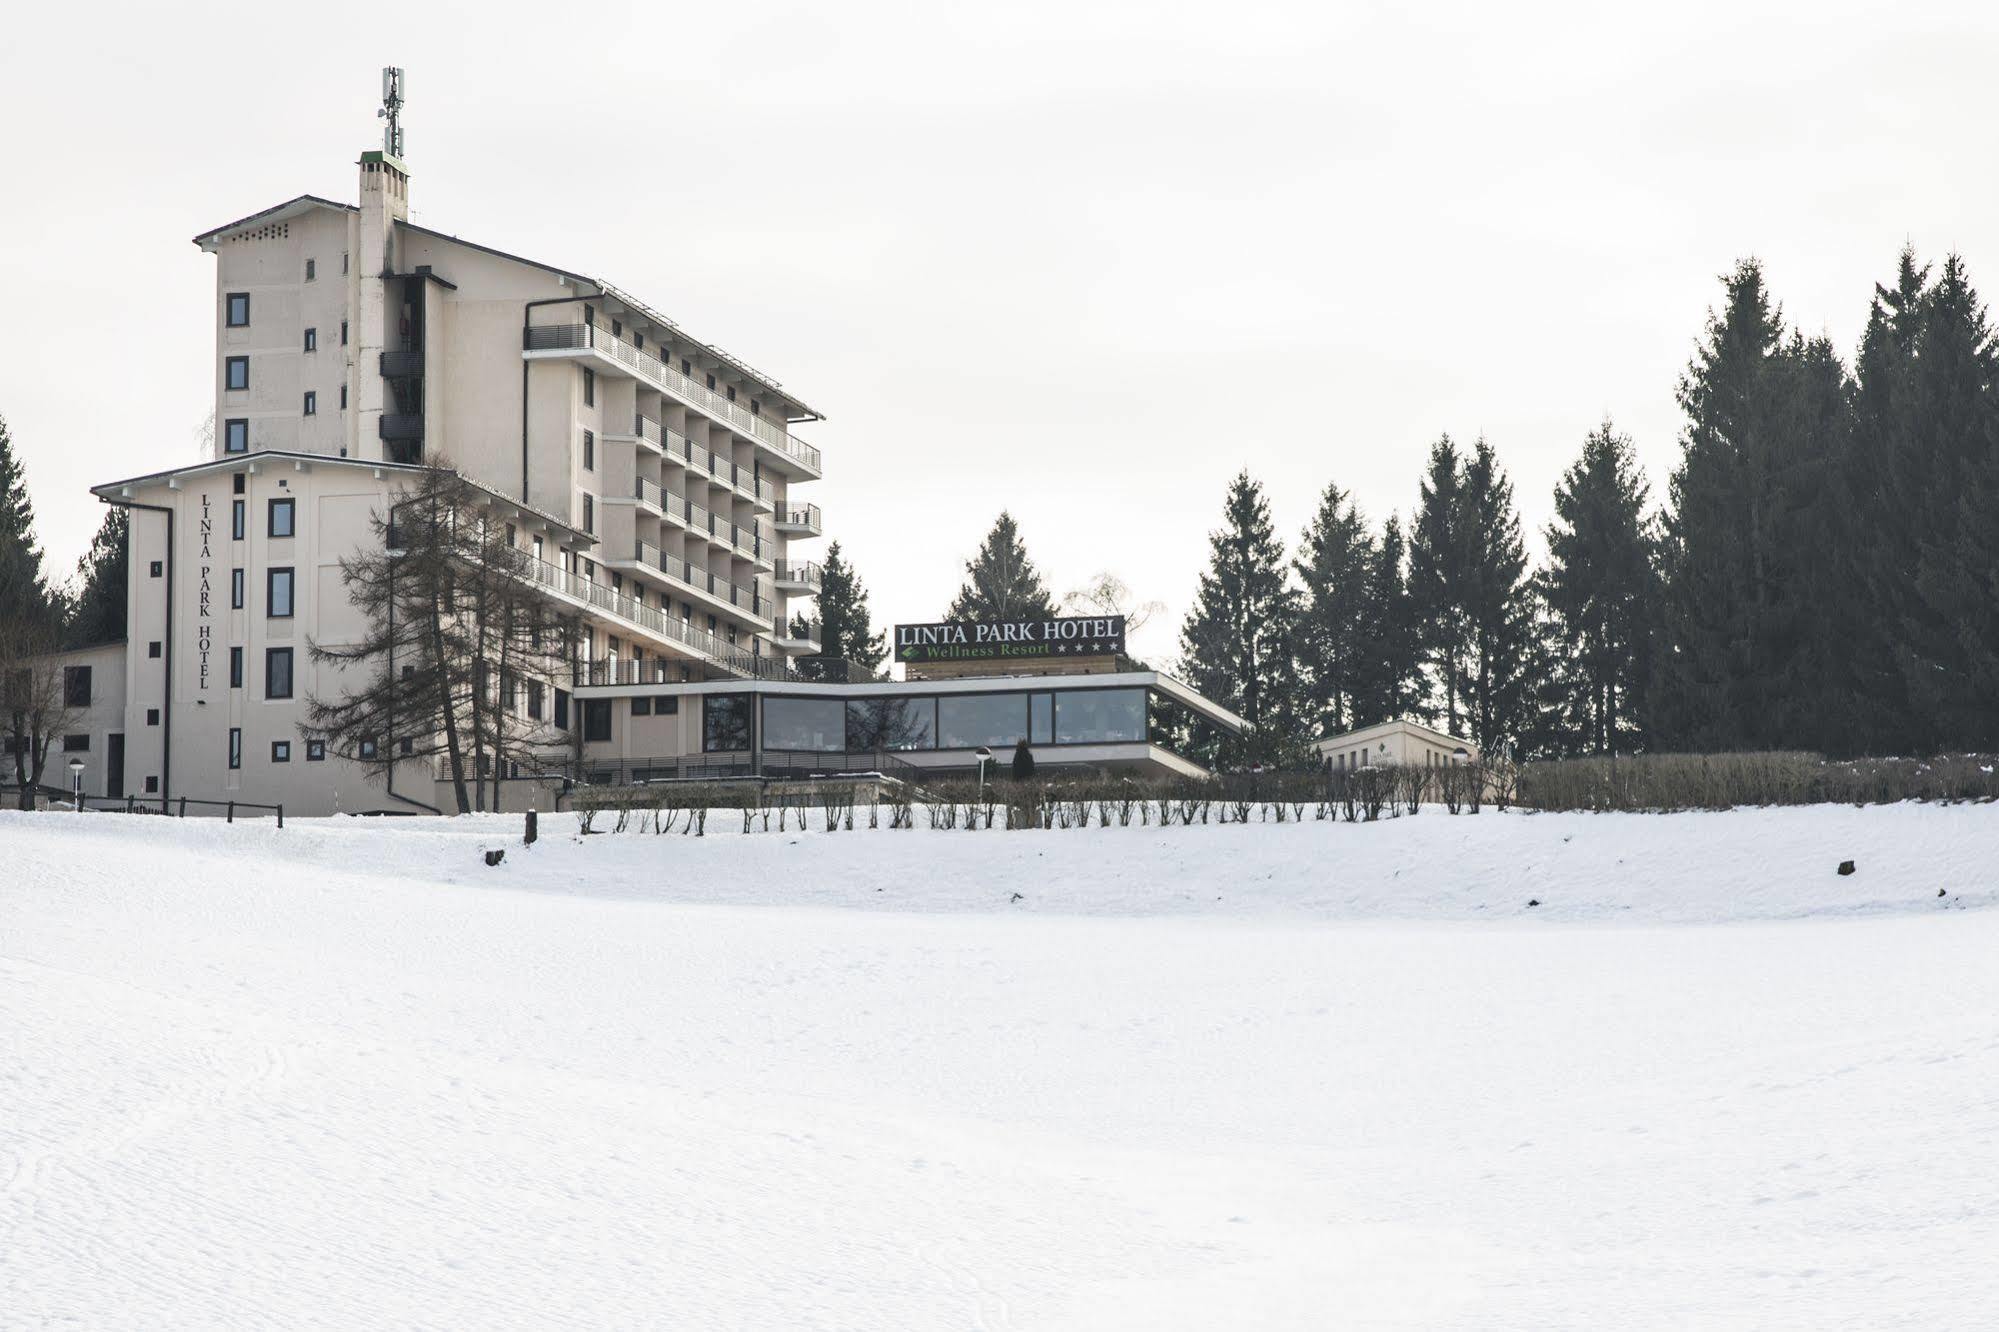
<point x="752" y="543"/>
<point x="789" y="454"/>
<point x="714" y="647"/>
<point x="753" y="599"/>
<point x="704" y="461"/>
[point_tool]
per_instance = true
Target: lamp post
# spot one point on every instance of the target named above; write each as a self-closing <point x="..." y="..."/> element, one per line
<point x="76" y="782"/>
<point x="984" y="756"/>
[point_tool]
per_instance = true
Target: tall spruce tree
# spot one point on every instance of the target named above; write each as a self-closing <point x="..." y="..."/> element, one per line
<point x="1236" y="643"/>
<point x="1498" y="608"/>
<point x="1601" y="590"/>
<point x="1439" y="571"/>
<point x="1334" y="639"/>
<point x="1001" y="583"/>
<point x="27" y="604"/>
<point x="847" y="633"/>
<point x="97" y="611"/>
<point x="1391" y="667"/>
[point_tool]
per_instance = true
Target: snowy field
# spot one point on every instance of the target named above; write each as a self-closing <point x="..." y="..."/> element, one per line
<point x="1309" y="1076"/>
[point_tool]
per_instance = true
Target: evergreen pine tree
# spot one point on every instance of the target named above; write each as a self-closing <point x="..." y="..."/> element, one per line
<point x="1236" y="642"/>
<point x="27" y="604"/>
<point x="1439" y="570"/>
<point x="1391" y="669"/>
<point x="97" y="613"/>
<point x="1600" y="587"/>
<point x="1497" y="608"/>
<point x="1334" y="636"/>
<point x="1001" y="583"/>
<point x="847" y="633"/>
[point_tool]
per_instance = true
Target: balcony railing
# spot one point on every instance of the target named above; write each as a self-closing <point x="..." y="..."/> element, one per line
<point x="801" y="519"/>
<point x="400" y="427"/>
<point x="566" y="337"/>
<point x="402" y="365"/>
<point x="754" y="599"/>
<point x="578" y="588"/>
<point x="752" y="543"/>
<point x="705" y="461"/>
<point x="800" y="634"/>
<point x="798" y="574"/>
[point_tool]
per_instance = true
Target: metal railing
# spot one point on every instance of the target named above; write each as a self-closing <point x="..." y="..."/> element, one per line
<point x="172" y="806"/>
<point x="707" y="462"/>
<point x="803" y="517"/>
<point x="791" y="633"/>
<point x="567" y="337"/>
<point x="755" y="598"/>
<point x="771" y="764"/>
<point x="574" y="586"/>
<point x="799" y="573"/>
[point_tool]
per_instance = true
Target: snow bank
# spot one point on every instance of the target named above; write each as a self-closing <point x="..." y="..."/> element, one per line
<point x="345" y="1076"/>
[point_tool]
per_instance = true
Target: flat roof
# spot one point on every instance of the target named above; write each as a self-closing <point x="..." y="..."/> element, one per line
<point x="980" y="684"/>
<point x="1393" y="724"/>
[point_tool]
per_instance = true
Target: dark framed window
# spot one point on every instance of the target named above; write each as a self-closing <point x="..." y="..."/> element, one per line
<point x="76" y="686"/>
<point x="731" y="392"/>
<point x="589" y="450"/>
<point x="236" y="373"/>
<point x="238" y="306"/>
<point x="407" y="745"/>
<point x="617" y="328"/>
<point x="642" y="706"/>
<point x="237" y="483"/>
<point x="236" y="435"/>
<point x="813" y="725"/>
<point x="311" y="403"/>
<point x="1099" y="716"/>
<point x="589" y="387"/>
<point x="686" y="367"/>
<point x="236" y="668"/>
<point x="367" y="749"/>
<point x="235" y="746"/>
<point x="711" y="383"/>
<point x="277" y="672"/>
<point x="891" y="723"/>
<point x="343" y="261"/>
<point x="236" y="585"/>
<point x="76" y="744"/>
<point x="343" y="397"/>
<point x="562" y="709"/>
<point x="312" y="339"/>
<point x="155" y="569"/>
<point x="315" y="751"/>
<point x="343" y="332"/>
<point x="281" y="751"/>
<point x="589" y="512"/>
<point x="237" y="521"/>
<point x="311" y="269"/>
<point x="153" y="648"/>
<point x="152" y="785"/>
<point x="152" y="716"/>
<point x="279" y="516"/>
<point x="968" y="721"/>
<point x="668" y="705"/>
<point x="597" y="719"/>
<point x="537" y="698"/>
<point x="1041" y="719"/>
<point x="725" y="723"/>
<point x="278" y="592"/>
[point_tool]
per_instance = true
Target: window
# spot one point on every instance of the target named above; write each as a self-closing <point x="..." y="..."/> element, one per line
<point x="686" y="367"/>
<point x="343" y="261"/>
<point x="642" y="706"/>
<point x="536" y="694"/>
<point x="153" y="648"/>
<point x="76" y="744"/>
<point x="343" y="397"/>
<point x="236" y="520"/>
<point x="891" y="723"/>
<point x="152" y="716"/>
<point x="279" y="516"/>
<point x="817" y="725"/>
<point x="756" y="407"/>
<point x="312" y="339"/>
<point x="731" y="391"/>
<point x="590" y="315"/>
<point x="76" y="686"/>
<point x="235" y="589"/>
<point x="236" y="435"/>
<point x="617" y="328"/>
<point x="596" y="719"/>
<point x="711" y="383"/>
<point x="311" y="403"/>
<point x="589" y="513"/>
<point x="967" y="721"/>
<point x="277" y="672"/>
<point x="589" y="450"/>
<point x="1099" y="716"/>
<point x="152" y="785"/>
<point x="667" y="705"/>
<point x="155" y="569"/>
<point x="236" y="668"/>
<point x="639" y="341"/>
<point x="589" y="387"/>
<point x="408" y="745"/>
<point x="236" y="372"/>
<point x="236" y="482"/>
<point x="315" y="751"/>
<point x="725" y="723"/>
<point x="278" y="593"/>
<point x="239" y="309"/>
<point x="367" y="749"/>
<point x="343" y="332"/>
<point x="235" y="746"/>
<point x="281" y="751"/>
<point x="1040" y="719"/>
<point x="562" y="709"/>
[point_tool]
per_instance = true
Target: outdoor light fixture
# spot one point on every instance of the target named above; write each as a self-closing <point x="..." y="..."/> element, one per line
<point x="76" y="782"/>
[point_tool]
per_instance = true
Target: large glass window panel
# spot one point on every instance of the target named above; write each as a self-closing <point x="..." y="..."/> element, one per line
<point x="967" y="721"/>
<point x="1099" y="716"/>
<point x="1040" y="719"/>
<point x="891" y="723"/>
<point x="817" y="725"/>
<point x="725" y="723"/>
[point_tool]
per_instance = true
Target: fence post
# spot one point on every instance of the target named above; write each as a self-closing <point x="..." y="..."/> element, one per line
<point x="183" y="807"/>
<point x="231" y="816"/>
<point x="130" y="801"/>
<point x="281" y="816"/>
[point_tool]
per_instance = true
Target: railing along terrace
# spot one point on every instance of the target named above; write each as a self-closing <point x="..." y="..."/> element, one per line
<point x="800" y="515"/>
<point x="563" y="337"/>
<point x="807" y="572"/>
<point x="754" y="598"/>
<point x="706" y="461"/>
<point x="578" y="588"/>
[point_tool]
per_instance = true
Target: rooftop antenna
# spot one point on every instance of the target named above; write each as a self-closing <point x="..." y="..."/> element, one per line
<point x="391" y="109"/>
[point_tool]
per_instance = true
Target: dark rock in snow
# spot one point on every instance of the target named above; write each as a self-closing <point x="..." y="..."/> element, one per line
<point x="1533" y="901"/>
<point x="495" y="857"/>
<point x="1846" y="867"/>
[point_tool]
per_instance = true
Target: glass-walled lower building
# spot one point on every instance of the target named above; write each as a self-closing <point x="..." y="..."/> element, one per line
<point x="1135" y="720"/>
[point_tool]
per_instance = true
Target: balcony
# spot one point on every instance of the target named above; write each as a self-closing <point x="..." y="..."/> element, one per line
<point x="752" y="601"/>
<point x="751" y="543"/>
<point x="798" y="576"/>
<point x="783" y="450"/>
<point x="703" y="462"/>
<point x="799" y="520"/>
<point x="800" y="636"/>
<point x="713" y="647"/>
<point x="402" y="365"/>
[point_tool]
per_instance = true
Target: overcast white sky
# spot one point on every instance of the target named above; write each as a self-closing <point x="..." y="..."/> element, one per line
<point x="1079" y="260"/>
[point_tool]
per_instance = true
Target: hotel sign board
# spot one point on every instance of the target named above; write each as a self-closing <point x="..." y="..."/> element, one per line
<point x="1002" y="640"/>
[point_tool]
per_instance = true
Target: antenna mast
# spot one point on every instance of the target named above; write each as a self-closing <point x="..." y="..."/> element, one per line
<point x="391" y="109"/>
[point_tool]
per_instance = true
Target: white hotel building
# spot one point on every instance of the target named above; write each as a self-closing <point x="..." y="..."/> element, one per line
<point x="654" y="478"/>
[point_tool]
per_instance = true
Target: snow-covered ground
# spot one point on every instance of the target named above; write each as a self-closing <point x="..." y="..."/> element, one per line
<point x="1301" y="1076"/>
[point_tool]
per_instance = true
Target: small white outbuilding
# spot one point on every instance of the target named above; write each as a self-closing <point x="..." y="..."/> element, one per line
<point x="1401" y="742"/>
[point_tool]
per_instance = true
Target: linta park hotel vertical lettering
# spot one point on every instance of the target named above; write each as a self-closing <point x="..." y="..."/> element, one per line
<point x="993" y="640"/>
